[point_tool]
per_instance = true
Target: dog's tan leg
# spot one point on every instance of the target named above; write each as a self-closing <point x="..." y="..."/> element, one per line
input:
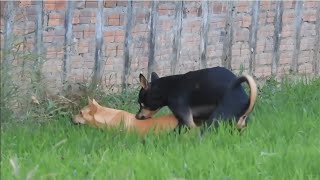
<point x="184" y="115"/>
<point x="181" y="109"/>
<point x="189" y="120"/>
<point x="242" y="122"/>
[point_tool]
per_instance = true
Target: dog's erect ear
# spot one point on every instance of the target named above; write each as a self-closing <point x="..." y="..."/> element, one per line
<point x="89" y="100"/>
<point x="154" y="76"/>
<point x="93" y="107"/>
<point x="143" y="82"/>
<point x="95" y="102"/>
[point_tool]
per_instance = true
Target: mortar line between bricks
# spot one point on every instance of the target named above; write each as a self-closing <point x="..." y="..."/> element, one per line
<point x="277" y="37"/>
<point x="10" y="15"/>
<point x="227" y="43"/>
<point x="39" y="34"/>
<point x="204" y="34"/>
<point x="127" y="42"/>
<point x="255" y="10"/>
<point x="177" y="36"/>
<point x="297" y="37"/>
<point x="97" y="74"/>
<point x="152" y="44"/>
<point x="316" y="56"/>
<point x="67" y="44"/>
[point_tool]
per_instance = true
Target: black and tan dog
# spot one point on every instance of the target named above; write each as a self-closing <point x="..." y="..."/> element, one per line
<point x="208" y="94"/>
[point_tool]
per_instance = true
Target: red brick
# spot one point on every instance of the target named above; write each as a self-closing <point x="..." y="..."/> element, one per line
<point x="92" y="46"/>
<point x="109" y="33"/>
<point x="55" y="22"/>
<point x="244" y="9"/>
<point x="80" y="4"/>
<point x="288" y="4"/>
<point x="270" y="19"/>
<point x="51" y="49"/>
<point x="111" y="52"/>
<point x="264" y="58"/>
<point x="60" y="32"/>
<point x="246" y="21"/>
<point x="285" y="61"/>
<point x="287" y="33"/>
<point x="24" y="3"/>
<point x="31" y="10"/>
<point x="78" y="28"/>
<point x="85" y="20"/>
<point x="242" y="34"/>
<point x="78" y="35"/>
<point x="51" y="55"/>
<point x="119" y="52"/>
<point x="48" y="6"/>
<point x="243" y="4"/>
<point x="120" y="46"/>
<point x="263" y="71"/>
<point x="2" y="8"/>
<point x="108" y="39"/>
<point x="288" y="16"/>
<point x="119" y="38"/>
<point x="114" y="16"/>
<point x="50" y="1"/>
<point x="310" y="16"/>
<point x="83" y="47"/>
<point x="123" y="3"/>
<point x="166" y="6"/>
<point x="48" y="38"/>
<point x="60" y="5"/>
<point x="271" y="14"/>
<point x="305" y="68"/>
<point x="305" y="59"/>
<point x="75" y="20"/>
<point x="309" y="4"/>
<point x="142" y="18"/>
<point x="87" y="13"/>
<point x="112" y="46"/>
<point x="91" y="4"/>
<point x="193" y="11"/>
<point x="56" y="16"/>
<point x="109" y="4"/>
<point x="120" y="33"/>
<point x="163" y="12"/>
<point x="88" y="34"/>
<point x="115" y="20"/>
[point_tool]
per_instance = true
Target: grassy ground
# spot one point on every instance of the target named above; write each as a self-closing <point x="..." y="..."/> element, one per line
<point x="281" y="142"/>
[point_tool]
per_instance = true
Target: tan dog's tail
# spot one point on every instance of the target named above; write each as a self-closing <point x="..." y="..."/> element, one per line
<point x="253" y="96"/>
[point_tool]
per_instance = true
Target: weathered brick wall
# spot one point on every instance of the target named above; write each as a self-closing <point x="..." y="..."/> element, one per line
<point x="114" y="41"/>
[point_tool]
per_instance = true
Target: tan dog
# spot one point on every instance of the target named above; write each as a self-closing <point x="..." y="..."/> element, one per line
<point x="99" y="116"/>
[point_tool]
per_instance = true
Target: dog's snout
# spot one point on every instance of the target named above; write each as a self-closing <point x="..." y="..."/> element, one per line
<point x="75" y="123"/>
<point x="140" y="117"/>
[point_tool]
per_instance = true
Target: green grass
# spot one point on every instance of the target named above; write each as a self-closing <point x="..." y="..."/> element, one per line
<point x="281" y="142"/>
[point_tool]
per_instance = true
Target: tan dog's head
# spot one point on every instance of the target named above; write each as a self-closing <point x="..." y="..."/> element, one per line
<point x="86" y="114"/>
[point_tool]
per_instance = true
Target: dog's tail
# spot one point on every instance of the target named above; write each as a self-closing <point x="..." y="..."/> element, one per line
<point x="252" y="100"/>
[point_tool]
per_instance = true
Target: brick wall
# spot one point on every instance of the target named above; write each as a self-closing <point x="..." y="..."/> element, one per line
<point x="260" y="38"/>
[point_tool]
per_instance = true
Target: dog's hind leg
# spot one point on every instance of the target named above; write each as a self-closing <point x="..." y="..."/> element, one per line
<point x="179" y="128"/>
<point x="184" y="115"/>
<point x="222" y="113"/>
<point x="210" y="124"/>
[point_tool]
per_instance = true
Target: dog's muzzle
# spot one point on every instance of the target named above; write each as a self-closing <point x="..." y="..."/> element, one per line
<point x="75" y="123"/>
<point x="76" y="120"/>
<point x="140" y="117"/>
<point x="145" y="114"/>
